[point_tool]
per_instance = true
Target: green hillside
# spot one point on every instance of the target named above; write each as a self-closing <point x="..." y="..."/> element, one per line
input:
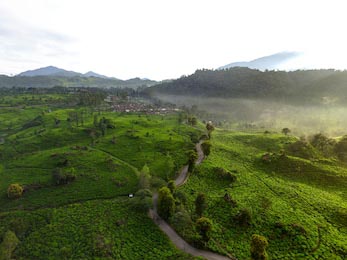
<point x="298" y="204"/>
<point x="76" y="168"/>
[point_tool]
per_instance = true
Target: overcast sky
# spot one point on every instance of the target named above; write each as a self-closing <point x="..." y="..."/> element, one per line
<point x="161" y="39"/>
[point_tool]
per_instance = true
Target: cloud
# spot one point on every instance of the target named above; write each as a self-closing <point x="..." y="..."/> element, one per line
<point x="24" y="45"/>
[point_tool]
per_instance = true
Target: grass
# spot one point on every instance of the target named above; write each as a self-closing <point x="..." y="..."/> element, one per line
<point x="92" y="216"/>
<point x="99" y="229"/>
<point x="289" y="199"/>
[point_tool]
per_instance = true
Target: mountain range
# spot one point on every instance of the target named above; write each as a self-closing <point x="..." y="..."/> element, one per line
<point x="301" y="86"/>
<point x="271" y="62"/>
<point x="57" y="72"/>
<point x="52" y="76"/>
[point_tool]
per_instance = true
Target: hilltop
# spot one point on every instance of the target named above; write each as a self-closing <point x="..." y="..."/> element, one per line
<point x="52" y="76"/>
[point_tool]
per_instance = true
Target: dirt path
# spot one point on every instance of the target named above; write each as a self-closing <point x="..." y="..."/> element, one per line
<point x="178" y="241"/>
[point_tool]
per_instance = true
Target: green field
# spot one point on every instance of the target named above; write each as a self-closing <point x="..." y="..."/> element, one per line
<point x="290" y="199"/>
<point x="91" y="216"/>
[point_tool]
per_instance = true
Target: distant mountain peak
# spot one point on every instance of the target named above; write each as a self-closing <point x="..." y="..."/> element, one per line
<point x="93" y="74"/>
<point x="269" y="62"/>
<point x="58" y="72"/>
<point x="49" y="71"/>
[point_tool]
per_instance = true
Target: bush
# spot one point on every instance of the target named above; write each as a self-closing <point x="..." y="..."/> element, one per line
<point x="142" y="200"/>
<point x="182" y="223"/>
<point x="166" y="203"/>
<point x="258" y="246"/>
<point x="8" y="245"/>
<point x="243" y="218"/>
<point x="224" y="175"/>
<point x="61" y="178"/>
<point x="200" y="204"/>
<point x="206" y="148"/>
<point x="302" y="149"/>
<point x="172" y="186"/>
<point x="14" y="191"/>
<point x="204" y="226"/>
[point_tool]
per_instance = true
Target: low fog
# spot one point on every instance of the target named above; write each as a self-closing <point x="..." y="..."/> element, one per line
<point x="270" y="115"/>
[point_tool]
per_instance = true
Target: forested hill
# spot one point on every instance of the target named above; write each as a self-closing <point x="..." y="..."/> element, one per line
<point x="296" y="86"/>
<point x="76" y="81"/>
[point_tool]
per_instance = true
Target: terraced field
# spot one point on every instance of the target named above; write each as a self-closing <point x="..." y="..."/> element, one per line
<point x="298" y="204"/>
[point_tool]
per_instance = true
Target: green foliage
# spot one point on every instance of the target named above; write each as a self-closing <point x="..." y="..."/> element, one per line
<point x="209" y="128"/>
<point x="8" y="245"/>
<point x="204" y="227"/>
<point x="91" y="230"/>
<point x="172" y="186"/>
<point x="144" y="180"/>
<point x="258" y="247"/>
<point x="143" y="200"/>
<point x="206" y="148"/>
<point x="224" y="175"/>
<point x="14" y="191"/>
<point x="182" y="223"/>
<point x="166" y="203"/>
<point x="341" y="149"/>
<point x="302" y="149"/>
<point x="192" y="120"/>
<point x="286" y="130"/>
<point x="323" y="144"/>
<point x="192" y="156"/>
<point x="243" y="218"/>
<point x="288" y="197"/>
<point x="200" y="204"/>
<point x="61" y="177"/>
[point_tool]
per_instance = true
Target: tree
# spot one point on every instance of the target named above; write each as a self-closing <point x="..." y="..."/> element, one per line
<point x="144" y="181"/>
<point x="258" y="247"/>
<point x="323" y="143"/>
<point x="14" y="191"/>
<point x="192" y="157"/>
<point x="200" y="204"/>
<point x="341" y="149"/>
<point x="206" y="148"/>
<point x="172" y="186"/>
<point x="210" y="129"/>
<point x="243" y="218"/>
<point x="96" y="121"/>
<point x="166" y="203"/>
<point x="286" y="131"/>
<point x="8" y="245"/>
<point x="192" y="120"/>
<point x="204" y="226"/>
<point x="143" y="200"/>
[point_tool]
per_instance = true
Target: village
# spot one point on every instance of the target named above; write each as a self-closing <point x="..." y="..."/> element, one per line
<point x="131" y="105"/>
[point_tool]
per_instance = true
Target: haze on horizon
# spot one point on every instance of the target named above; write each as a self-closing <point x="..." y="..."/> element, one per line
<point x="161" y="39"/>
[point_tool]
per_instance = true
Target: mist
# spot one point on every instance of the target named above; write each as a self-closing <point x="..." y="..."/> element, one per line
<point x="329" y="119"/>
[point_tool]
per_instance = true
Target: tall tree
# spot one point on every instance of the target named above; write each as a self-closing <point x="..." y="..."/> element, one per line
<point x="166" y="203"/>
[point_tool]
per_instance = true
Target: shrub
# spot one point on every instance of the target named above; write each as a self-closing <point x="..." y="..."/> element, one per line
<point x="224" y="175"/>
<point x="180" y="197"/>
<point x="14" y="191"/>
<point x="182" y="223"/>
<point x="243" y="218"/>
<point x="60" y="178"/>
<point x="302" y="149"/>
<point x="8" y="245"/>
<point x="166" y="203"/>
<point x="142" y="200"/>
<point x="206" y="148"/>
<point x="172" y="186"/>
<point x="204" y="226"/>
<point x="200" y="204"/>
<point x="230" y="200"/>
<point x="258" y="246"/>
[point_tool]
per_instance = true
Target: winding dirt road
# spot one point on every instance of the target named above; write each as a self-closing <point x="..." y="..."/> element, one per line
<point x="178" y="241"/>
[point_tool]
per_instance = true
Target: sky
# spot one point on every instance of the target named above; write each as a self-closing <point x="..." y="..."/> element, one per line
<point x="162" y="39"/>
